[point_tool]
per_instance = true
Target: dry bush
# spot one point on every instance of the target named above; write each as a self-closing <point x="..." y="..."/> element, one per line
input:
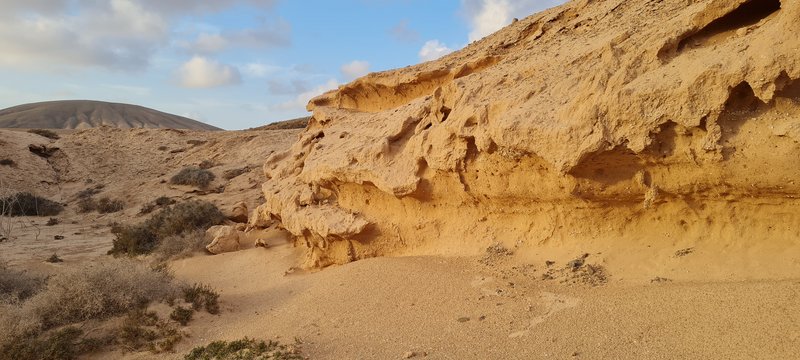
<point x="180" y="246"/>
<point x="103" y="205"/>
<point x="7" y="162"/>
<point x="94" y="291"/>
<point x="27" y="204"/>
<point x="64" y="344"/>
<point x="156" y="204"/>
<point x="16" y="286"/>
<point x="46" y="133"/>
<point x="106" y="206"/>
<point x="193" y="176"/>
<point x="174" y="220"/>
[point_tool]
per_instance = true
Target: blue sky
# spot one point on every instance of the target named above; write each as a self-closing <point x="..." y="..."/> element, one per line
<point x="231" y="63"/>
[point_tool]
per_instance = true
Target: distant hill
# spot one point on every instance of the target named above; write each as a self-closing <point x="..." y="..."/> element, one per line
<point x="84" y="114"/>
<point x="298" y="123"/>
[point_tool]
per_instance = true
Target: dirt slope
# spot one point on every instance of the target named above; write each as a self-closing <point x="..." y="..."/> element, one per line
<point x="630" y="130"/>
<point x="84" y="114"/>
<point x="132" y="165"/>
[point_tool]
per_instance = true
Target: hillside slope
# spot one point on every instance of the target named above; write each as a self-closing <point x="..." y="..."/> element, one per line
<point x="84" y="114"/>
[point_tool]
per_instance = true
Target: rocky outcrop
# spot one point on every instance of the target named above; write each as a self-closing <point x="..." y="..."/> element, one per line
<point x="632" y="120"/>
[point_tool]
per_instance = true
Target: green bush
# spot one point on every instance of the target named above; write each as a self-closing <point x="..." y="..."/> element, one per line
<point x="174" y="220"/>
<point x="46" y="133"/>
<point x="202" y="296"/>
<point x="182" y="315"/>
<point x="244" y="349"/>
<point x="194" y="176"/>
<point x="144" y="330"/>
<point x="27" y="204"/>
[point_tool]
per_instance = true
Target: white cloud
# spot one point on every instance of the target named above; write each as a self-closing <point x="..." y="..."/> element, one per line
<point x="302" y="99"/>
<point x="488" y="16"/>
<point x="433" y="50"/>
<point x="115" y="34"/>
<point x="268" y="34"/>
<point x="404" y="33"/>
<point x="209" y="43"/>
<point x="260" y="70"/>
<point x="355" y="69"/>
<point x="287" y="87"/>
<point x="203" y="73"/>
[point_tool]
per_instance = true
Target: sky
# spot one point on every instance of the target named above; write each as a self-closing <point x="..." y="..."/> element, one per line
<point x="234" y="64"/>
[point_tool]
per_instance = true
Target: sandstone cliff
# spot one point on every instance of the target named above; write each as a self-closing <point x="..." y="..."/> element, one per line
<point x="598" y="123"/>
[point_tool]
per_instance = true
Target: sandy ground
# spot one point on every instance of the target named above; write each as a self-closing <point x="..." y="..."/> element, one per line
<point x="460" y="308"/>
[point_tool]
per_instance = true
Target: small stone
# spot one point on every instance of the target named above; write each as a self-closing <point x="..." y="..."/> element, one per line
<point x="58" y="237"/>
<point x="463" y="319"/>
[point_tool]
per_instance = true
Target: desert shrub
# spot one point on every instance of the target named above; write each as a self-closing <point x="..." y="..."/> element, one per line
<point x="163" y="201"/>
<point x="65" y="344"/>
<point x="163" y="148"/>
<point x="182" y="315"/>
<point x="103" y="205"/>
<point x="107" y="206"/>
<point x="180" y="246"/>
<point x="85" y="205"/>
<point x="155" y="204"/>
<point x="27" y="204"/>
<point x="46" y="133"/>
<point x="144" y="330"/>
<point x="54" y="259"/>
<point x="7" y="162"/>
<point x="174" y="220"/>
<point x="97" y="291"/>
<point x="52" y="222"/>
<point x="193" y="176"/>
<point x="244" y="349"/>
<point x="16" y="286"/>
<point x="202" y="296"/>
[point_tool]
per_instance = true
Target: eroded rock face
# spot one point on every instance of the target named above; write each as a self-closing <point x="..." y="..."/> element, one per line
<point x="597" y="119"/>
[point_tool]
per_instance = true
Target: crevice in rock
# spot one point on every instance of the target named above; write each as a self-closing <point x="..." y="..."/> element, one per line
<point x="717" y="31"/>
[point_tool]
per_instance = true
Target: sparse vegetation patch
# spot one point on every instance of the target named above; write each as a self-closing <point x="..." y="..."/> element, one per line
<point x="174" y="220"/>
<point x="245" y="349"/>
<point x="27" y="204"/>
<point x="202" y="296"/>
<point x="103" y="205"/>
<point x="193" y="176"/>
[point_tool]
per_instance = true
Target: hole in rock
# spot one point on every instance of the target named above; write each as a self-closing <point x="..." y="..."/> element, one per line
<point x="749" y="13"/>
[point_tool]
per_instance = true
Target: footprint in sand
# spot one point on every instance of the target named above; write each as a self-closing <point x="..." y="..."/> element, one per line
<point x="553" y="303"/>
